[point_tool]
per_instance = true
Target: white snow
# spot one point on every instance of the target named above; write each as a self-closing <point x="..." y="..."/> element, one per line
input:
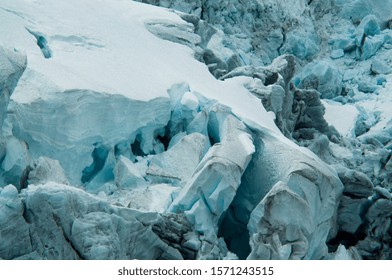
<point x="117" y="56"/>
<point x="342" y="117"/>
<point x="190" y="100"/>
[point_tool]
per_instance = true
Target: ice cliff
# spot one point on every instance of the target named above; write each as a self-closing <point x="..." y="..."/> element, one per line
<point x="195" y="129"/>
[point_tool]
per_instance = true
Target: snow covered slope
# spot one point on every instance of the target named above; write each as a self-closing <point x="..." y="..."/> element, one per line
<point x="169" y="134"/>
<point x="92" y="59"/>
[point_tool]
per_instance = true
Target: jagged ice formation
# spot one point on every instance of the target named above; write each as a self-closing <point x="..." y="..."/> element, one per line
<point x="195" y="129"/>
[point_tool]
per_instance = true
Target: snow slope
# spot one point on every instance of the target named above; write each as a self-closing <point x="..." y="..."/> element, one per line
<point x="342" y="117"/>
<point x="116" y="56"/>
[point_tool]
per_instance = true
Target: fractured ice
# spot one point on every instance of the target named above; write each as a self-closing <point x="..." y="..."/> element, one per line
<point x="209" y="130"/>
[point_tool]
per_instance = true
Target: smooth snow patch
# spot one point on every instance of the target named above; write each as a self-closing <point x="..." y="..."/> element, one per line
<point x="342" y="117"/>
<point x="247" y="143"/>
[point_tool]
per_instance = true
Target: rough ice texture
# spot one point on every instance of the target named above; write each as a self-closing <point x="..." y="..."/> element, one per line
<point x="178" y="163"/>
<point x="301" y="230"/>
<point x="12" y="65"/>
<point x="380" y="67"/>
<point x="14" y="228"/>
<point x="356" y="10"/>
<point x="45" y="170"/>
<point x="73" y="128"/>
<point x="66" y="223"/>
<point x="169" y="126"/>
<point x="269" y="28"/>
<point x="322" y="76"/>
<point x="215" y="181"/>
<point x="356" y="42"/>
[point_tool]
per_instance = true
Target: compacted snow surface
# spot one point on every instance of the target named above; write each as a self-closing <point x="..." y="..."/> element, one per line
<point x="195" y="130"/>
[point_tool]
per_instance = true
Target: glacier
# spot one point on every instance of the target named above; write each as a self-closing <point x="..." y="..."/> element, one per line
<point x="195" y="129"/>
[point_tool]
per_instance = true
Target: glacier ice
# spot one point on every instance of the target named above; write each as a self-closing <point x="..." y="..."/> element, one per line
<point x="183" y="34"/>
<point x="359" y="33"/>
<point x="209" y="130"/>
<point x="301" y="44"/>
<point x="12" y="66"/>
<point x="129" y="175"/>
<point x="323" y="77"/>
<point x="55" y="221"/>
<point x="177" y="164"/>
<point x="335" y="54"/>
<point x="298" y="175"/>
<point x="350" y="214"/>
<point x="370" y="46"/>
<point x="216" y="178"/>
<point x="64" y="222"/>
<point x="69" y="131"/>
<point x="14" y="228"/>
<point x="44" y="170"/>
<point x="356" y="10"/>
<point x="13" y="153"/>
<point x="380" y="67"/>
<point x="368" y="27"/>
